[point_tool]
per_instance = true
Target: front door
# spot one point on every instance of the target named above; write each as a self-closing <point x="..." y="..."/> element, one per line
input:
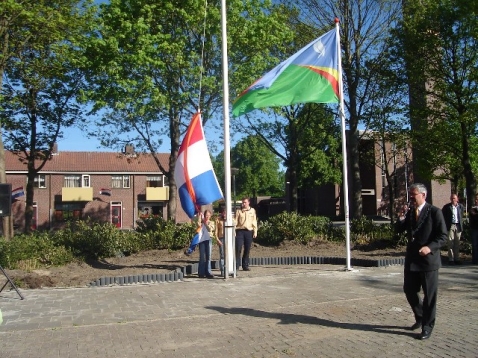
<point x="116" y="209"/>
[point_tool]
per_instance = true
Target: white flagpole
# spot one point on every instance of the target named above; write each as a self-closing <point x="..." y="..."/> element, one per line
<point x="344" y="150"/>
<point x="229" y="264"/>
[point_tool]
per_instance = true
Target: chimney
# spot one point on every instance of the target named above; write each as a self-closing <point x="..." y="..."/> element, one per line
<point x="129" y="149"/>
<point x="54" y="149"/>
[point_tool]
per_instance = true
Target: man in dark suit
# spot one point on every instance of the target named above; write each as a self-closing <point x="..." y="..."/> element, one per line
<point x="426" y="232"/>
<point x="453" y="213"/>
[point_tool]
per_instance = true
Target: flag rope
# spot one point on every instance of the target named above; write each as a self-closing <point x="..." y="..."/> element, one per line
<point x="202" y="54"/>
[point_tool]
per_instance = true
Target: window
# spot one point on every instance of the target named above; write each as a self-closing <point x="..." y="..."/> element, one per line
<point x="40" y="181"/>
<point x="76" y="181"/>
<point x="155" y="181"/>
<point x="150" y="210"/>
<point x="68" y="211"/>
<point x="120" y="181"/>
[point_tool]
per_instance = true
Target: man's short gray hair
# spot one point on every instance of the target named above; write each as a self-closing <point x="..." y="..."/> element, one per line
<point x="420" y="187"/>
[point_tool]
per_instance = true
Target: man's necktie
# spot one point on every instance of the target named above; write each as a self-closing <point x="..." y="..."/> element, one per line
<point x="417" y="214"/>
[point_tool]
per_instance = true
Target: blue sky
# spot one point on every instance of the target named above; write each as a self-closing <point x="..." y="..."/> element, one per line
<point x="75" y="140"/>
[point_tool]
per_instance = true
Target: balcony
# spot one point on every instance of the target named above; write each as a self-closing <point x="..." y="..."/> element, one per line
<point x="155" y="194"/>
<point x="76" y="194"/>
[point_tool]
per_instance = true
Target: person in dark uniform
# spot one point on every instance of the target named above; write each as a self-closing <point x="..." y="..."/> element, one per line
<point x="426" y="233"/>
<point x="474" y="231"/>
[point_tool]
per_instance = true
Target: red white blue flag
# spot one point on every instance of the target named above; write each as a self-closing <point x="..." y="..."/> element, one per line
<point x="16" y="193"/>
<point x="104" y="191"/>
<point x="194" y="175"/>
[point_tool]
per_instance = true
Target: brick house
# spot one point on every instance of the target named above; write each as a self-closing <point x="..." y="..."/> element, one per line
<point x="105" y="186"/>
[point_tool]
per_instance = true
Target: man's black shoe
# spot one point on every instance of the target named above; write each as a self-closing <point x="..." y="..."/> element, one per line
<point x="209" y="276"/>
<point x="415" y="326"/>
<point x="424" y="335"/>
<point x="246" y="269"/>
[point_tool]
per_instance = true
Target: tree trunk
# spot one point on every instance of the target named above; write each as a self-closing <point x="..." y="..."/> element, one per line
<point x="29" y="198"/>
<point x="7" y="234"/>
<point x="355" y="175"/>
<point x="175" y="136"/>
<point x="470" y="178"/>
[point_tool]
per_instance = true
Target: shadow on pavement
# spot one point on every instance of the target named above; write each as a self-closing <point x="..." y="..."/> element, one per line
<point x="288" y="318"/>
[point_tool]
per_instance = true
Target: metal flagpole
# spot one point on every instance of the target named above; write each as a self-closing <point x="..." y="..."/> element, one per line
<point x="229" y="264"/>
<point x="344" y="149"/>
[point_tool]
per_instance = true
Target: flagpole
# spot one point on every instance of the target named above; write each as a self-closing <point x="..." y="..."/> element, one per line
<point x="344" y="149"/>
<point x="229" y="227"/>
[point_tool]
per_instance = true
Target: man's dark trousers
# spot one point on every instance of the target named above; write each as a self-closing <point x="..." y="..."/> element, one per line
<point x="428" y="280"/>
<point x="243" y="238"/>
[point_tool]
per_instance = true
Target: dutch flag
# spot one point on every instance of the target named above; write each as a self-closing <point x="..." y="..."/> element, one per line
<point x="105" y="192"/>
<point x="197" y="184"/>
<point x="16" y="193"/>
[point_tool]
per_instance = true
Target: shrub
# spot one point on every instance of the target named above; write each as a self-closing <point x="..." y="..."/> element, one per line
<point x="321" y="226"/>
<point x="365" y="233"/>
<point x="96" y="240"/>
<point x="33" y="251"/>
<point x="165" y="234"/>
<point x="286" y="226"/>
<point x="362" y="230"/>
<point x="336" y="234"/>
<point x="266" y="234"/>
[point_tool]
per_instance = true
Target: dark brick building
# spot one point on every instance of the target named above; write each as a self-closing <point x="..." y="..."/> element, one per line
<point x="327" y="200"/>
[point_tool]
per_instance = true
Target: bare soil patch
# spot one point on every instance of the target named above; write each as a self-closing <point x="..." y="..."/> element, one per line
<point x="81" y="274"/>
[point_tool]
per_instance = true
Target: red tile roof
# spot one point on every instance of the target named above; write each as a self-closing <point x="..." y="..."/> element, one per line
<point x="91" y="162"/>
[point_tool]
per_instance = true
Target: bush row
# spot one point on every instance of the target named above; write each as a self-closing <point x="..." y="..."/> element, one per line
<point x="81" y="240"/>
<point x="303" y="229"/>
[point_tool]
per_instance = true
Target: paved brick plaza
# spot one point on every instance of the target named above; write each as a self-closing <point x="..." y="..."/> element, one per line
<point x="272" y="311"/>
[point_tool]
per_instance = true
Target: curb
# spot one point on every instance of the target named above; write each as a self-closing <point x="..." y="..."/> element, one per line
<point x="180" y="273"/>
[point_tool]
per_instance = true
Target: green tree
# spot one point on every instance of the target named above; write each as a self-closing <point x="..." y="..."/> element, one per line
<point x="364" y="27"/>
<point x="41" y="78"/>
<point x="306" y="139"/>
<point x="442" y="69"/>
<point x="388" y="130"/>
<point x="259" y="171"/>
<point x="155" y="63"/>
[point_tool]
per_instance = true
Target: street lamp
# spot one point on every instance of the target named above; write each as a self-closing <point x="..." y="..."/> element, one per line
<point x="234" y="172"/>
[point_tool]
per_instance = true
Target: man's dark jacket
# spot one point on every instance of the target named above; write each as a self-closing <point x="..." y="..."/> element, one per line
<point x="429" y="230"/>
<point x="448" y="214"/>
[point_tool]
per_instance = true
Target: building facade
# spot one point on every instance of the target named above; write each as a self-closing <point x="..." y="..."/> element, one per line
<point x="103" y="186"/>
<point x="375" y="162"/>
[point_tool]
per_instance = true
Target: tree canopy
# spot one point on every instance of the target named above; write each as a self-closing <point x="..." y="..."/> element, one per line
<point x="42" y="75"/>
<point x="258" y="169"/>
<point x="156" y="63"/>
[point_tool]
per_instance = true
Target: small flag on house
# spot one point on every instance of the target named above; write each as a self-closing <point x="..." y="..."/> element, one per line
<point x="16" y="193"/>
<point x="105" y="192"/>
